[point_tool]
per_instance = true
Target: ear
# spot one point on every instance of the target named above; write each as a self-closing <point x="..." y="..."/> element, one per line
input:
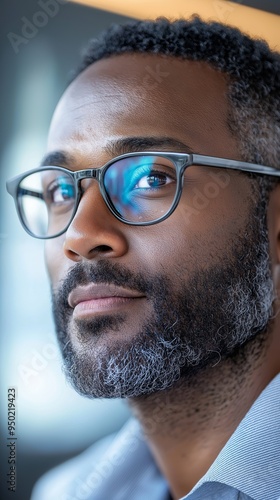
<point x="276" y="196"/>
<point x="273" y="221"/>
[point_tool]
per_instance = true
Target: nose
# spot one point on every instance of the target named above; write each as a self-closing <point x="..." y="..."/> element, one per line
<point x="94" y="231"/>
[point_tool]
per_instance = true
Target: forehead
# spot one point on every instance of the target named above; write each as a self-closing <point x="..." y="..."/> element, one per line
<point x="145" y="94"/>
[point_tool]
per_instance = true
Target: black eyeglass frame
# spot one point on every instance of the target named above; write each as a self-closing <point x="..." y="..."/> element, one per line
<point x="180" y="160"/>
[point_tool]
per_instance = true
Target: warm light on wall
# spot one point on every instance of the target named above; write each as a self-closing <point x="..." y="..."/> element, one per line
<point x="257" y="23"/>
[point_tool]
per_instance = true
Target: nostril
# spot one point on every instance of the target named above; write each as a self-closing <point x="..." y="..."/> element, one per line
<point x="103" y="248"/>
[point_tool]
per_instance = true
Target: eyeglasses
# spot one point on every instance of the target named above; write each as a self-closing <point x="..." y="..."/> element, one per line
<point x="139" y="189"/>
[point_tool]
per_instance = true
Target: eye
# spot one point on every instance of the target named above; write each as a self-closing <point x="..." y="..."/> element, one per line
<point x="152" y="176"/>
<point x="61" y="190"/>
<point x="153" y="180"/>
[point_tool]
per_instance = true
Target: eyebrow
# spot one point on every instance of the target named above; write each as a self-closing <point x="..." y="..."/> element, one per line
<point x="135" y="144"/>
<point x="119" y="147"/>
<point x="57" y="158"/>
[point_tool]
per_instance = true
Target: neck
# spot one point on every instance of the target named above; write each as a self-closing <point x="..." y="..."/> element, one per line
<point x="188" y="425"/>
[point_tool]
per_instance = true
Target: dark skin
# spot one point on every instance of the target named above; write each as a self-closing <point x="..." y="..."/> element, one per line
<point x="119" y="98"/>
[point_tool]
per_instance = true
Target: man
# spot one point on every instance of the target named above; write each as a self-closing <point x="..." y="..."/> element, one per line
<point x="159" y="202"/>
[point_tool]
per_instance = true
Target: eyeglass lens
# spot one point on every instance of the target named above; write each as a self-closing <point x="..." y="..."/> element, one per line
<point x="139" y="189"/>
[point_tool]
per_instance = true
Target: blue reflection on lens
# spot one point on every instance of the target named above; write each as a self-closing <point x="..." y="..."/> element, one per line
<point x="66" y="189"/>
<point x="121" y="179"/>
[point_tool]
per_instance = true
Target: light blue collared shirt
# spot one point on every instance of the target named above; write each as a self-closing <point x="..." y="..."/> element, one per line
<point x="122" y="468"/>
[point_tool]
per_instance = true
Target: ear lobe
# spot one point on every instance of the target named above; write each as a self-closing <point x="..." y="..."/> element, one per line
<point x="277" y="224"/>
<point x="278" y="247"/>
<point x="276" y="279"/>
<point x="273" y="220"/>
<point x="276" y="266"/>
<point x="276" y="270"/>
<point x="273" y="223"/>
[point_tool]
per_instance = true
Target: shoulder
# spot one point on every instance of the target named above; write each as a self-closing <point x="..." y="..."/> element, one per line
<point x="55" y="482"/>
<point x="119" y="467"/>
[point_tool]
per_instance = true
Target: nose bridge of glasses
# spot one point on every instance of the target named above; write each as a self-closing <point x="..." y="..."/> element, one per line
<point x="91" y="173"/>
<point x="84" y="182"/>
<point x="88" y="174"/>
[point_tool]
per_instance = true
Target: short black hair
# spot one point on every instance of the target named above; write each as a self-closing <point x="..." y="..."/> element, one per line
<point x="253" y="71"/>
<point x="223" y="47"/>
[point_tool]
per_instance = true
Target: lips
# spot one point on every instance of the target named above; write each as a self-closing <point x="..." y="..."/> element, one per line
<point x="96" y="296"/>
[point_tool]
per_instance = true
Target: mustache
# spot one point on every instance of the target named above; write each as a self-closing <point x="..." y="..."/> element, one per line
<point x="102" y="272"/>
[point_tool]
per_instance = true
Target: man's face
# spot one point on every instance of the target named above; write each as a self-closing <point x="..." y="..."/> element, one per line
<point x="163" y="301"/>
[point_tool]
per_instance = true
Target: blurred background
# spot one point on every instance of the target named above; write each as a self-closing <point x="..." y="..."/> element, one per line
<point x="53" y="423"/>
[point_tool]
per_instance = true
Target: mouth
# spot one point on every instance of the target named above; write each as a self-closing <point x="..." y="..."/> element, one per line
<point x="101" y="298"/>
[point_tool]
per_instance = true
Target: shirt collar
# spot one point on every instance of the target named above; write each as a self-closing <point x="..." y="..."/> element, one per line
<point x="250" y="460"/>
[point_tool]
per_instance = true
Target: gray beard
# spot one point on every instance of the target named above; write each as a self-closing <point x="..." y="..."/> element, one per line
<point x="216" y="313"/>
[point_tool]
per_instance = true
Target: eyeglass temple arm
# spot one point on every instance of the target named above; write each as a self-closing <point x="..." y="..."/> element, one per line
<point x="23" y="192"/>
<point x="235" y="165"/>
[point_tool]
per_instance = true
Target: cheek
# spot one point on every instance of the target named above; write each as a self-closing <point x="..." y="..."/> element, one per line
<point x="163" y="249"/>
<point x="202" y="232"/>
